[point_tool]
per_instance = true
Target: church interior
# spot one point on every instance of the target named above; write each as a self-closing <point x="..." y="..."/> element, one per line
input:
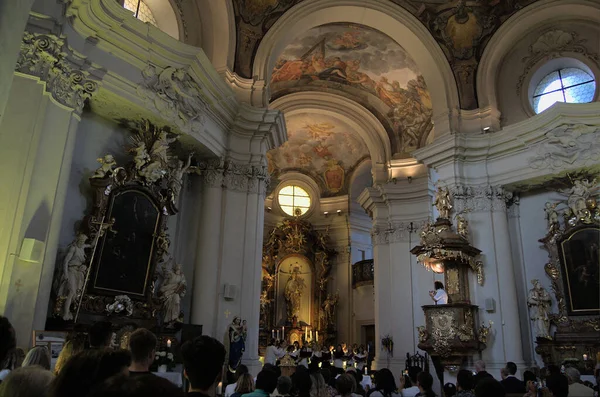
<point x="306" y="171"/>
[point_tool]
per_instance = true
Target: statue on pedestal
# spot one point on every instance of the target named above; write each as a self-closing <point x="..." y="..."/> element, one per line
<point x="293" y="294"/>
<point x="107" y="168"/>
<point x="462" y="227"/>
<point x="236" y="341"/>
<point x="176" y="177"/>
<point x="551" y="217"/>
<point x="171" y="292"/>
<point x="539" y="304"/>
<point x="74" y="271"/>
<point x="329" y="309"/>
<point x="443" y="202"/>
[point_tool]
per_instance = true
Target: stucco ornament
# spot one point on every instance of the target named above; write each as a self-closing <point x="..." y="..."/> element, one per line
<point x="175" y="96"/>
<point x="567" y="145"/>
<point x="47" y="57"/>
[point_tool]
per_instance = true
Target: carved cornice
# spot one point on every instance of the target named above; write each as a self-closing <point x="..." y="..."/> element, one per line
<point x="396" y="232"/>
<point x="235" y="176"/>
<point x="568" y="145"/>
<point x="49" y="58"/>
<point x="480" y="198"/>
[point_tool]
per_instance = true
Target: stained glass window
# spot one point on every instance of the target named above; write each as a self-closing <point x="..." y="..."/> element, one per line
<point x="569" y="85"/>
<point x="140" y="10"/>
<point x="294" y="200"/>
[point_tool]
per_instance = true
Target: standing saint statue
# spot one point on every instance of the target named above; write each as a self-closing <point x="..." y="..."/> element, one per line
<point x="236" y="341"/>
<point x="443" y="202"/>
<point x="74" y="271"/>
<point x="293" y="294"/>
<point x="539" y="305"/>
<point x="171" y="292"/>
<point x="176" y="179"/>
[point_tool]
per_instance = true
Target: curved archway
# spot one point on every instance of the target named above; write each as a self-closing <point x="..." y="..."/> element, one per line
<point x="164" y="14"/>
<point x="545" y="12"/>
<point x="390" y="19"/>
<point x="369" y="128"/>
<point x="217" y="32"/>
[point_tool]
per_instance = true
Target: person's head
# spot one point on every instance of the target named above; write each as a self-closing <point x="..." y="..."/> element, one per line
<point x="40" y="356"/>
<point x="489" y="387"/>
<point x="511" y="368"/>
<point x="301" y="383"/>
<point x="266" y="380"/>
<point x="449" y="390"/>
<point x="384" y="381"/>
<point x="504" y="373"/>
<point x="8" y="341"/>
<point x="558" y="384"/>
<point x="573" y="375"/>
<point x="87" y="370"/>
<point x="296" y="345"/>
<point x="142" y="344"/>
<point x="318" y="387"/>
<point x="345" y="385"/>
<point x="100" y="334"/>
<point x="412" y="374"/>
<point x="273" y="368"/>
<point x="244" y="384"/>
<point x="203" y="374"/>
<point x="32" y="381"/>
<point x="438" y="285"/>
<point x="479" y="366"/>
<point x="240" y="370"/>
<point x="138" y="386"/>
<point x="464" y="380"/>
<point x="529" y="376"/>
<point x="71" y="348"/>
<point x="424" y="381"/>
<point x="284" y="385"/>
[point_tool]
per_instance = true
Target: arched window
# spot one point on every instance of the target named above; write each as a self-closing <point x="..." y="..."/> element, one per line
<point x="294" y="200"/>
<point x="141" y="11"/>
<point x="571" y="85"/>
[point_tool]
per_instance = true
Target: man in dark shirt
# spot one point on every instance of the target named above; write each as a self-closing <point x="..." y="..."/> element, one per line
<point x="142" y="344"/>
<point x="481" y="373"/>
<point x="511" y="383"/>
<point x="203" y="359"/>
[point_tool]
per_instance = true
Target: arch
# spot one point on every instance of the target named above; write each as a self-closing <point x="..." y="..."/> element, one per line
<point x="368" y="127"/>
<point x="390" y="19"/>
<point x="164" y="14"/>
<point x="218" y="35"/>
<point x="545" y="12"/>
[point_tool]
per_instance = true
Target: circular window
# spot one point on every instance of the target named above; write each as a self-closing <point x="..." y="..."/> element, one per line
<point x="294" y="200"/>
<point x="141" y="11"/>
<point x="571" y="85"/>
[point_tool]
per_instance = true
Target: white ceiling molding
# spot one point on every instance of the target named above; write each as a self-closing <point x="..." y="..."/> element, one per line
<point x="386" y="17"/>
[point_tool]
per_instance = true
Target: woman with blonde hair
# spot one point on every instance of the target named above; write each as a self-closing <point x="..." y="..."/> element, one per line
<point x="71" y="348"/>
<point x="26" y="382"/>
<point x="40" y="356"/>
<point x="244" y="385"/>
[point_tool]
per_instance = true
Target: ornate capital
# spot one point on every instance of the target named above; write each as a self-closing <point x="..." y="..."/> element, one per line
<point x="175" y="95"/>
<point x="233" y="176"/>
<point x="47" y="57"/>
<point x="480" y="198"/>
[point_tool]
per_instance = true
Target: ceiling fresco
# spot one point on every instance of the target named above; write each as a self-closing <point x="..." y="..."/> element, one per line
<point x="321" y="147"/>
<point x="461" y="27"/>
<point x="365" y="65"/>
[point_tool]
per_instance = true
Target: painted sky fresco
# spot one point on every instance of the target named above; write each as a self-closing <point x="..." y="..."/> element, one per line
<point x="320" y="146"/>
<point x="354" y="57"/>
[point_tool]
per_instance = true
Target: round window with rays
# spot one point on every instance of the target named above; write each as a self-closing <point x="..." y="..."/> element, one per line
<point x="570" y="85"/>
<point x="294" y="200"/>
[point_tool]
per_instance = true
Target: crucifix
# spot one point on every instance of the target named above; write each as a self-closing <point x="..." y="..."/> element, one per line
<point x="227" y="313"/>
<point x="102" y="228"/>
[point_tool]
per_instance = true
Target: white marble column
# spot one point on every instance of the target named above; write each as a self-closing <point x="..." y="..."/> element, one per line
<point x="398" y="211"/>
<point x="486" y="211"/>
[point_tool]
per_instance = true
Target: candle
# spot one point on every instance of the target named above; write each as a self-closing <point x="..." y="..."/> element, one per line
<point x="272" y="334"/>
<point x="365" y="370"/>
<point x="278" y="335"/>
<point x="283" y="332"/>
<point x="585" y="357"/>
<point x="168" y="342"/>
<point x="317" y="335"/>
<point x="219" y="388"/>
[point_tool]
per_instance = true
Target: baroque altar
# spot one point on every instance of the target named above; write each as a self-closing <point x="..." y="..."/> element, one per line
<point x="296" y="305"/>
<point x="571" y="335"/>
<point x="119" y="265"/>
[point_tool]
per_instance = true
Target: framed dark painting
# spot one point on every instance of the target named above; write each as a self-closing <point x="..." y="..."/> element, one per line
<point x="580" y="268"/>
<point x="125" y="261"/>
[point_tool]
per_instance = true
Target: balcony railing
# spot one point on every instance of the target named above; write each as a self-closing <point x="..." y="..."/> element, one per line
<point x="363" y="273"/>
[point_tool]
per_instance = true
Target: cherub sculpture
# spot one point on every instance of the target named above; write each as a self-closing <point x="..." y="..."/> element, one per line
<point x="551" y="217"/>
<point x="462" y="227"/>
<point x="108" y="165"/>
<point x="141" y="156"/>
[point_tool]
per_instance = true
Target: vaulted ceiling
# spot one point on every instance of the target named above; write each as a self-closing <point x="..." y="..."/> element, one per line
<point x="461" y="27"/>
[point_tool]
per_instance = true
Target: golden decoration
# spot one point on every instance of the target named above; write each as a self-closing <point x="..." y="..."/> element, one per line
<point x="452" y="285"/>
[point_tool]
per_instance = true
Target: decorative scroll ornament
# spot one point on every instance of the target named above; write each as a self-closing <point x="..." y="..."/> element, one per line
<point x="396" y="232"/>
<point x="568" y="145"/>
<point x="175" y="95"/>
<point x="122" y="304"/>
<point x="47" y="57"/>
<point x="227" y="174"/>
<point x="554" y="44"/>
<point x="480" y="198"/>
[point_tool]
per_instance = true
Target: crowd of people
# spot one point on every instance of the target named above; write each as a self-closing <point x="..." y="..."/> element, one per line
<point x="92" y="369"/>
